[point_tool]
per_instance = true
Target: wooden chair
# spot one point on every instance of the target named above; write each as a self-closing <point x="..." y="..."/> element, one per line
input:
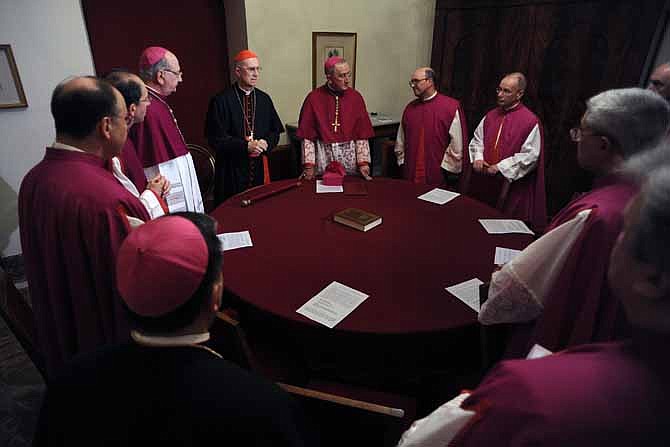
<point x="322" y="399"/>
<point x="389" y="161"/>
<point x="19" y="317"/>
<point x="204" y="163"/>
<point x="488" y="189"/>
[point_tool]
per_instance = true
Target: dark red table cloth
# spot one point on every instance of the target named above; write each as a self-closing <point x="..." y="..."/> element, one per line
<point x="404" y="264"/>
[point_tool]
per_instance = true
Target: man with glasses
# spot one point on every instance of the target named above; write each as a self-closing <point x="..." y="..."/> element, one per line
<point x="429" y="145"/>
<point x="159" y="143"/>
<point x="242" y="126"/>
<point x="334" y="124"/>
<point x="73" y="217"/>
<point x="126" y="167"/>
<point x="659" y="81"/>
<point x="559" y="282"/>
<point x="509" y="141"/>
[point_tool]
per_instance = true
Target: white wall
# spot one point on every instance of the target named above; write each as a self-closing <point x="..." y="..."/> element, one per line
<point x="393" y="38"/>
<point x="49" y="42"/>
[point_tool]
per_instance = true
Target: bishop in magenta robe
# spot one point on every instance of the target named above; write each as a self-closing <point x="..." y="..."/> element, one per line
<point x="334" y="123"/>
<point x="73" y="218"/>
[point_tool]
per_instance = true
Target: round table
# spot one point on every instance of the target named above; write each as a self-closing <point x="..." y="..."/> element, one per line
<point x="404" y="264"/>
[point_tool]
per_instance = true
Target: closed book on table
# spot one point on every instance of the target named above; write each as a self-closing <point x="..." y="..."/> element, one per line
<point x="358" y="219"/>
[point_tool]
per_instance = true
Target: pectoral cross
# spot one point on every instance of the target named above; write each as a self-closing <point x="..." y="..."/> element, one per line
<point x="335" y="125"/>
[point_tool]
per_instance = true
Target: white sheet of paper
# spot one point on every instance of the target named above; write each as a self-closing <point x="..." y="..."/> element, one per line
<point x="332" y="304"/>
<point x="503" y="226"/>
<point x="320" y="187"/>
<point x="231" y="241"/>
<point x="439" y="196"/>
<point x="537" y="352"/>
<point x="176" y="198"/>
<point x="504" y="255"/>
<point x="468" y="292"/>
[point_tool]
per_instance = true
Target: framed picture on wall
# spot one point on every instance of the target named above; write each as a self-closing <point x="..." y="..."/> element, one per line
<point x="11" y="90"/>
<point x="327" y="44"/>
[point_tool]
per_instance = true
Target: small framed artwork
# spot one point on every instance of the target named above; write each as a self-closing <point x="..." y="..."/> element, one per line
<point x="325" y="45"/>
<point x="11" y="90"/>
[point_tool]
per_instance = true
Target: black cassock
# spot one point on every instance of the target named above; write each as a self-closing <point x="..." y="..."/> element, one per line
<point x="226" y="132"/>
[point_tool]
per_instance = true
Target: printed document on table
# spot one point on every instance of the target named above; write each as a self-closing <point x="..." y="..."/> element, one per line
<point x="320" y="187"/>
<point x="503" y="226"/>
<point x="468" y="292"/>
<point x="332" y="304"/>
<point x="231" y="241"/>
<point x="504" y="255"/>
<point x="439" y="196"/>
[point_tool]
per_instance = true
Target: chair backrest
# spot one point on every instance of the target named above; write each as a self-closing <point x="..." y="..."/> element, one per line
<point x="389" y="161"/>
<point x="331" y="392"/>
<point x="204" y="162"/>
<point x="489" y="189"/>
<point x="18" y="314"/>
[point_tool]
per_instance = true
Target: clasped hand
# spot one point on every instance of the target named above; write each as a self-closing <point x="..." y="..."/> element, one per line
<point x="159" y="185"/>
<point x="483" y="167"/>
<point x="257" y="147"/>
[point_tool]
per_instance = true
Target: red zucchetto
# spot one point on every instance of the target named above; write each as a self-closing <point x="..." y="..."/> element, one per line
<point x="160" y="265"/>
<point x="245" y="54"/>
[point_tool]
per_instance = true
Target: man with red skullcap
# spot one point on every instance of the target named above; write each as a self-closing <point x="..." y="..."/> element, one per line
<point x="243" y="127"/>
<point x="159" y="143"/>
<point x="165" y="387"/>
<point x="335" y="125"/>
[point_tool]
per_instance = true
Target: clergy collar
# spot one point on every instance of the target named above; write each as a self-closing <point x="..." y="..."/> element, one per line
<point x="243" y="90"/>
<point x="168" y="341"/>
<point x="333" y="91"/>
<point x="430" y="97"/>
<point x="512" y="109"/>
<point x="155" y="92"/>
<point x="67" y="147"/>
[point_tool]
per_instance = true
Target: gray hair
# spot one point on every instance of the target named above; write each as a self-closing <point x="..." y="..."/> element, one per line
<point x="651" y="235"/>
<point x="520" y="79"/>
<point x="331" y="70"/>
<point x="149" y="73"/>
<point x="634" y="119"/>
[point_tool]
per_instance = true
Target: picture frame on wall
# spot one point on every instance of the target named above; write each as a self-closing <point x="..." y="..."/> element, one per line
<point x="11" y="89"/>
<point x="327" y="44"/>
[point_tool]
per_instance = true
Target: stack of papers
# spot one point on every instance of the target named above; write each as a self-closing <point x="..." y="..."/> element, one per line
<point x="321" y="188"/>
<point x="504" y="255"/>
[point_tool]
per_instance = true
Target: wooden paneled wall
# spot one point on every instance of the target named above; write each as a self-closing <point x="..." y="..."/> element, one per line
<point x="569" y="51"/>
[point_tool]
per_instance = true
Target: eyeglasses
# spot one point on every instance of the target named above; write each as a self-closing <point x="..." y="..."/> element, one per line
<point x="414" y="82"/>
<point x="253" y="69"/>
<point x="178" y="74"/>
<point x="147" y="99"/>
<point x="577" y="134"/>
<point x="343" y="75"/>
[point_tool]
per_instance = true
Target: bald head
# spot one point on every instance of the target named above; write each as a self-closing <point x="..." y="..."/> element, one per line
<point x="510" y="90"/>
<point x="423" y="82"/>
<point x="659" y="81"/>
<point x="78" y="105"/>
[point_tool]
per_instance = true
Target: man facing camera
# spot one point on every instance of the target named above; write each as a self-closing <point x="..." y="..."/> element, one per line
<point x="508" y="141"/>
<point x="165" y="387"/>
<point x="243" y="127"/>
<point x="429" y="145"/>
<point x="334" y="124"/>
